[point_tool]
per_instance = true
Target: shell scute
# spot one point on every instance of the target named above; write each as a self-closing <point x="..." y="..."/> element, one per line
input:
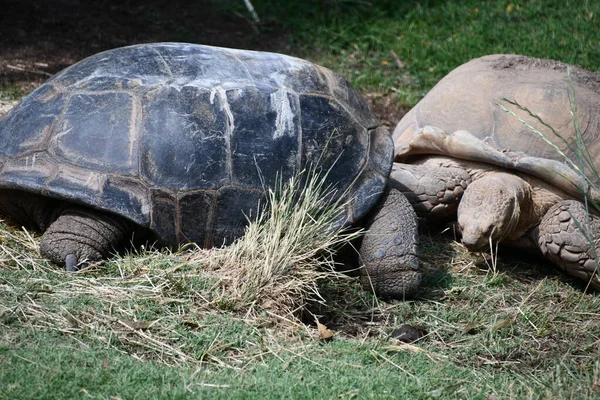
<point x="329" y="139"/>
<point x="256" y="158"/>
<point x="104" y="140"/>
<point x="32" y="170"/>
<point x="183" y="142"/>
<point x="234" y="206"/>
<point x="197" y="217"/>
<point x="30" y="124"/>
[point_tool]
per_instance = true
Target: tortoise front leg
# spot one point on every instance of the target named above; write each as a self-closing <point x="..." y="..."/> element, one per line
<point x="389" y="249"/>
<point x="80" y="235"/>
<point x="434" y="185"/>
<point x="570" y="237"/>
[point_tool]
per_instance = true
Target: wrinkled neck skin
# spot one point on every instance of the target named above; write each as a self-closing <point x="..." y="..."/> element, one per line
<point x="496" y="207"/>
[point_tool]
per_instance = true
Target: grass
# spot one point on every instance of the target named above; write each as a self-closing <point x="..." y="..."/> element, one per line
<point x="166" y="325"/>
<point x="406" y="47"/>
<point x="9" y="93"/>
<point x="148" y="326"/>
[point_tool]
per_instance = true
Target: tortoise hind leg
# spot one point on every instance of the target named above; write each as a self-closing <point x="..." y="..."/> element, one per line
<point x="80" y="235"/>
<point x="570" y="237"/>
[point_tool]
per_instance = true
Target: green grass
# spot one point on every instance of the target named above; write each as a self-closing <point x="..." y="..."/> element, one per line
<point x="10" y="92"/>
<point x="337" y="370"/>
<point x="133" y="331"/>
<point x="356" y="38"/>
<point x="490" y="361"/>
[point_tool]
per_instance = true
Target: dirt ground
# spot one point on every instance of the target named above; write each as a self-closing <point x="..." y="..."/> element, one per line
<point x="39" y="37"/>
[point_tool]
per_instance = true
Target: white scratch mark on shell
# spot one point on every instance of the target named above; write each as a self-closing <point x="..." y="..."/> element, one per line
<point x="90" y="179"/>
<point x="60" y="134"/>
<point x="285" y="117"/>
<point x="221" y="92"/>
<point x="213" y="91"/>
<point x="191" y="164"/>
<point x="30" y="162"/>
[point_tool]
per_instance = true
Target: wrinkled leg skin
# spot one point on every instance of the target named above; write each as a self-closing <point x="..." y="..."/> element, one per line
<point x="80" y="235"/>
<point x="389" y="250"/>
<point x="570" y="238"/>
<point x="434" y="187"/>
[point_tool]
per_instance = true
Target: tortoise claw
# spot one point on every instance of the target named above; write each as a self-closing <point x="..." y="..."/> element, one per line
<point x="71" y="262"/>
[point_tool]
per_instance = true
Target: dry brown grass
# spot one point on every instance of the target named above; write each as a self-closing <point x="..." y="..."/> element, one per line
<point x="272" y="273"/>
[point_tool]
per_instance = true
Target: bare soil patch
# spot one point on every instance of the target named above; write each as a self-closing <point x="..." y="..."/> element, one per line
<point x="39" y="38"/>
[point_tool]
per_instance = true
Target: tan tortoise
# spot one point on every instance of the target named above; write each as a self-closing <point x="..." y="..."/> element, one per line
<point x="458" y="154"/>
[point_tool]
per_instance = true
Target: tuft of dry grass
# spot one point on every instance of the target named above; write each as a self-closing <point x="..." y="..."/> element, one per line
<point x="288" y="250"/>
<point x="19" y="248"/>
<point x="273" y="270"/>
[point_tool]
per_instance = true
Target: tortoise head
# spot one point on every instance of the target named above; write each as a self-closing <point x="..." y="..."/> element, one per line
<point x="491" y="208"/>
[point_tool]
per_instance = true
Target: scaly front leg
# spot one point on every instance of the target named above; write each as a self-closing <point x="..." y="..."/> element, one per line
<point x="570" y="237"/>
